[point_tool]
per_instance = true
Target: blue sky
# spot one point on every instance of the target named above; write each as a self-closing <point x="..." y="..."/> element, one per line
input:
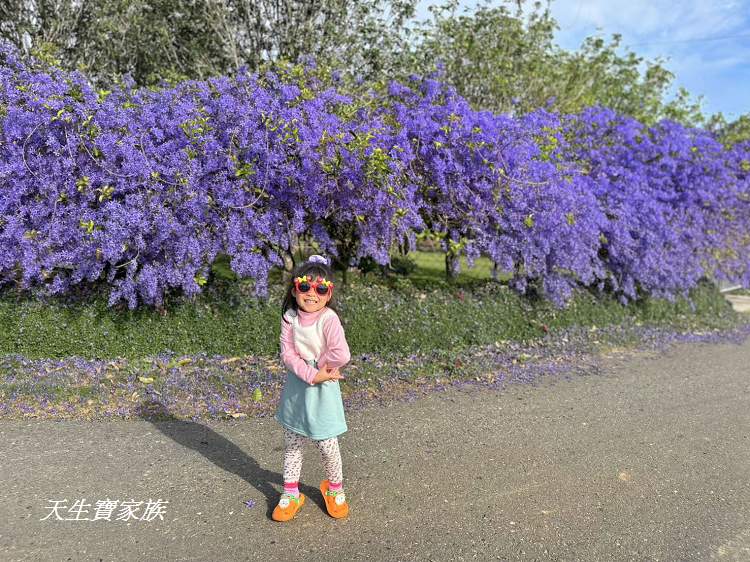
<point x="705" y="44"/>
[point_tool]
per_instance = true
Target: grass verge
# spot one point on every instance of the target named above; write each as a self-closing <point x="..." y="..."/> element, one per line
<point x="217" y="356"/>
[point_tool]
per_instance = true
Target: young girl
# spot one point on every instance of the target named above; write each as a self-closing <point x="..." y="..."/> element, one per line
<point x="313" y="348"/>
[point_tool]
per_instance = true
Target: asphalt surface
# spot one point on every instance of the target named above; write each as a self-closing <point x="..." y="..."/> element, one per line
<point x="648" y="460"/>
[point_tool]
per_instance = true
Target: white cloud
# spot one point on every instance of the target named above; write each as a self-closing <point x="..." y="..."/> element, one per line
<point x="652" y="19"/>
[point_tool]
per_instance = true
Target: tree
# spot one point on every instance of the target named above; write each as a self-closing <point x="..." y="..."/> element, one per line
<point x="506" y="61"/>
<point x="178" y="39"/>
<point x="149" y="39"/>
<point x="730" y="133"/>
<point x="491" y="56"/>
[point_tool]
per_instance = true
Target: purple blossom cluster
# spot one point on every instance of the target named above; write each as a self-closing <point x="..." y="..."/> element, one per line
<point x="675" y="202"/>
<point x="143" y="188"/>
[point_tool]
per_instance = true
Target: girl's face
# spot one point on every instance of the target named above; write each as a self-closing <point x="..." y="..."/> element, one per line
<point x="311" y="301"/>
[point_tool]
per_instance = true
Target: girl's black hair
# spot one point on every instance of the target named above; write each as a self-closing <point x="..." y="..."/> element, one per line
<point x="312" y="269"/>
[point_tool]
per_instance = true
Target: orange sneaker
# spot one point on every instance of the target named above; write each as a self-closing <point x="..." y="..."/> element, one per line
<point x="288" y="507"/>
<point x="335" y="501"/>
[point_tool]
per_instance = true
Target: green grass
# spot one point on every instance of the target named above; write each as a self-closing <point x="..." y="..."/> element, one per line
<point x="431" y="268"/>
<point x="380" y="315"/>
<point x="429" y="272"/>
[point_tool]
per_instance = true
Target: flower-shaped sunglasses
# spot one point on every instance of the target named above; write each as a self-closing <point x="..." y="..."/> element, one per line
<point x="305" y="283"/>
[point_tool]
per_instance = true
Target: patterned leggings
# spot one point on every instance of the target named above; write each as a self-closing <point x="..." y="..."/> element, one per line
<point x="329" y="450"/>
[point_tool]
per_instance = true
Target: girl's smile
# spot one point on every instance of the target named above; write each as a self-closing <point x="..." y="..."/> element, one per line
<point x="310" y="302"/>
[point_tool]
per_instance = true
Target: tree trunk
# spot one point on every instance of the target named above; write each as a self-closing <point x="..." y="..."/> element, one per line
<point x="286" y="274"/>
<point x="291" y="258"/>
<point x="403" y="247"/>
<point x="451" y="266"/>
<point x="342" y="262"/>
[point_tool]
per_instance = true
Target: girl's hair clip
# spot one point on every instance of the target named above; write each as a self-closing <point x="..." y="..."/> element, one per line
<point x="315" y="258"/>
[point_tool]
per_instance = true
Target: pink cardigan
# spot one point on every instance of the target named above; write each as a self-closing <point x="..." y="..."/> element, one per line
<point x="335" y="353"/>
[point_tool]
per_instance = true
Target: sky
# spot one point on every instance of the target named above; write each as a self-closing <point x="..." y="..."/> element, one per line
<point x="705" y="44"/>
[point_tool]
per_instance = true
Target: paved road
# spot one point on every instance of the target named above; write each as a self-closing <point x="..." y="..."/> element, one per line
<point x="650" y="460"/>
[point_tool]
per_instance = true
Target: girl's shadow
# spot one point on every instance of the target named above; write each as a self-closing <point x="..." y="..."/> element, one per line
<point x="223" y="453"/>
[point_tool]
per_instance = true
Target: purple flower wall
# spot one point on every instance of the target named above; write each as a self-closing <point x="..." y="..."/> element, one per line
<point x="143" y="189"/>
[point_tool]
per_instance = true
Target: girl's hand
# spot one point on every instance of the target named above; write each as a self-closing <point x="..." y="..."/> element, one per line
<point x="327" y="374"/>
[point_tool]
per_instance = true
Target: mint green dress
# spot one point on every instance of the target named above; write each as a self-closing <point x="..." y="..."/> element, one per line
<point x="312" y="410"/>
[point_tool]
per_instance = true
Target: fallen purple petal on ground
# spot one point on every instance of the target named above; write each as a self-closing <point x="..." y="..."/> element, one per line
<point x="214" y="388"/>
